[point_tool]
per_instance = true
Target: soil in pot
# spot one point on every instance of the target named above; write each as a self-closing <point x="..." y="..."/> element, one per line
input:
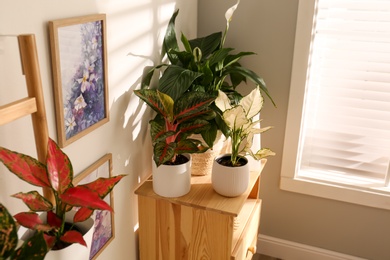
<point x="60" y="244"/>
<point x="226" y="161"/>
<point x="180" y="159"/>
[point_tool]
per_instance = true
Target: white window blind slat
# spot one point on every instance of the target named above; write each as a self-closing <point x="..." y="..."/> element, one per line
<point x="347" y="110"/>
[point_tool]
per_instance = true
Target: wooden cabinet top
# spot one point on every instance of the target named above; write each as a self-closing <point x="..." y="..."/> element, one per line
<point x="203" y="196"/>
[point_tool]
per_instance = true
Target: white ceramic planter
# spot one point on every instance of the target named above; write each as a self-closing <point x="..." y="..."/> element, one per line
<point x="230" y="181"/>
<point x="172" y="180"/>
<point x="74" y="251"/>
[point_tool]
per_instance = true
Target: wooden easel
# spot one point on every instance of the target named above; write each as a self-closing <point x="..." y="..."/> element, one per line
<point x="33" y="104"/>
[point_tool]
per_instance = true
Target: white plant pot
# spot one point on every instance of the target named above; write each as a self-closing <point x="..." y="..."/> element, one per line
<point x="230" y="181"/>
<point x="74" y="251"/>
<point x="172" y="180"/>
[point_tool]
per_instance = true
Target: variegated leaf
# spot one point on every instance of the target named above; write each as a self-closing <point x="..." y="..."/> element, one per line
<point x="34" y="201"/>
<point x="83" y="197"/>
<point x="31" y="220"/>
<point x="59" y="168"/>
<point x="73" y="236"/>
<point x="25" y="167"/>
<point x="103" y="186"/>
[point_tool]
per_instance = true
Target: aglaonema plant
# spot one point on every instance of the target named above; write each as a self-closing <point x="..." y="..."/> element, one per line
<point x="242" y="123"/>
<point x="33" y="248"/>
<point x="175" y="122"/>
<point x="57" y="176"/>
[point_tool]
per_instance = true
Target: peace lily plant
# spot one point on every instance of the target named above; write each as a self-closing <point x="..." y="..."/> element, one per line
<point x="242" y="126"/>
<point x="203" y="65"/>
<point x="57" y="176"/>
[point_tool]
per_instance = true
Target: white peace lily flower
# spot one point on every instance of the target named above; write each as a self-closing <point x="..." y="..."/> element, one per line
<point x="229" y="13"/>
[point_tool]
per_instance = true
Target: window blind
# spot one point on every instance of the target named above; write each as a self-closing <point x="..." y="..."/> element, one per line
<point x="346" y="124"/>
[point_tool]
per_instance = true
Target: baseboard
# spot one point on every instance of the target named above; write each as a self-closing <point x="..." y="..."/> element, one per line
<point x="288" y="250"/>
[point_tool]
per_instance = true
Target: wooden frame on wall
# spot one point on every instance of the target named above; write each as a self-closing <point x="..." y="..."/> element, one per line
<point x="104" y="227"/>
<point x="79" y="65"/>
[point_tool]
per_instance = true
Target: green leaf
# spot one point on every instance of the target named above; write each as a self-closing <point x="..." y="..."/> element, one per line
<point x="176" y="80"/>
<point x="210" y="134"/>
<point x="148" y="74"/>
<point x="8" y="233"/>
<point x="250" y="75"/>
<point x="59" y="167"/>
<point x="195" y="126"/>
<point x="159" y="102"/>
<point x="170" y="41"/>
<point x="208" y="75"/>
<point x="190" y="146"/>
<point x="207" y="44"/>
<point x="163" y="152"/>
<point x="186" y="43"/>
<point x="191" y="104"/>
<point x="25" y="167"/>
<point x="34" y="201"/>
<point x="34" y="248"/>
<point x="231" y="59"/>
<point x="219" y="56"/>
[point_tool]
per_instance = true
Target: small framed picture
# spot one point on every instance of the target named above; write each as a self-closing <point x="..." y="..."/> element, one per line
<point x="79" y="66"/>
<point x="104" y="228"/>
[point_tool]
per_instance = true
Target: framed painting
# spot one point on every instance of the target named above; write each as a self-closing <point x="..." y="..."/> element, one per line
<point x="104" y="228"/>
<point x="79" y="66"/>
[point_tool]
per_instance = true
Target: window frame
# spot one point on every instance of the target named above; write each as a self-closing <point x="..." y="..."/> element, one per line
<point x="378" y="197"/>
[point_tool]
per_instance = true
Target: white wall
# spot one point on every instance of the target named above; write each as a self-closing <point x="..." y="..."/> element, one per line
<point x="267" y="27"/>
<point x="134" y="33"/>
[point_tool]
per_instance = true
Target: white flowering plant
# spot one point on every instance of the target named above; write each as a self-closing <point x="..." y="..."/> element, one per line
<point x="242" y="126"/>
<point x="204" y="64"/>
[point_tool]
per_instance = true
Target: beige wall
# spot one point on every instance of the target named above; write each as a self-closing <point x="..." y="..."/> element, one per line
<point x="135" y="27"/>
<point x="267" y="27"/>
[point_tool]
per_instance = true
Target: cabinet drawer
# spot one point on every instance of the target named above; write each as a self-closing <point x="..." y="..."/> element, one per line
<point x="245" y="235"/>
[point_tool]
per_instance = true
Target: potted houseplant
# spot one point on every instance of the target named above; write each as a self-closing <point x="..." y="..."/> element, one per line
<point x="57" y="176"/>
<point x="34" y="248"/>
<point x="203" y="64"/>
<point x="170" y="130"/>
<point x="230" y="173"/>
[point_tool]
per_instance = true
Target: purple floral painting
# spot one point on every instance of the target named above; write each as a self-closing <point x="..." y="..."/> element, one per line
<point x="79" y="63"/>
<point x="82" y="76"/>
<point x="104" y="231"/>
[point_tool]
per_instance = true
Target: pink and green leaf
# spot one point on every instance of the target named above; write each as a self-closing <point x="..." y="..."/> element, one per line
<point x="53" y="220"/>
<point x="34" y="201"/>
<point x="25" y="167"/>
<point x="83" y="197"/>
<point x="59" y="167"/>
<point x="31" y="220"/>
<point x="82" y="214"/>
<point x="73" y="236"/>
<point x="34" y="248"/>
<point x="8" y="233"/>
<point x="103" y="186"/>
<point x="50" y="240"/>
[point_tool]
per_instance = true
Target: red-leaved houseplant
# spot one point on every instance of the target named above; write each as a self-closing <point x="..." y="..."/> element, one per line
<point x="57" y="176"/>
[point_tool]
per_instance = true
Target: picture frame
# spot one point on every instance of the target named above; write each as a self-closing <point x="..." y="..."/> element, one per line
<point x="79" y="66"/>
<point x="104" y="225"/>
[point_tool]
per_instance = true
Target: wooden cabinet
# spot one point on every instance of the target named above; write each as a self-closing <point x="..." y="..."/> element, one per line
<point x="199" y="225"/>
